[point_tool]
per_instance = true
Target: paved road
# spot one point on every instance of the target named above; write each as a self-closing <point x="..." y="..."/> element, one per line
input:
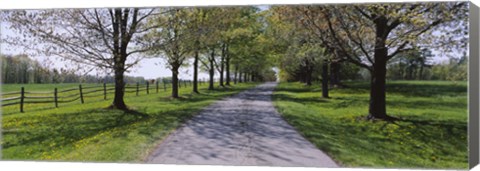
<point x="242" y="130"/>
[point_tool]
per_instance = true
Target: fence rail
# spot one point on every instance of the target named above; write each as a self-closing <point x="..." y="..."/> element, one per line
<point x="74" y="94"/>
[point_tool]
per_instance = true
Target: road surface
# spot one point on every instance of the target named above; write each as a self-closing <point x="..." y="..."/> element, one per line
<point x="241" y="130"/>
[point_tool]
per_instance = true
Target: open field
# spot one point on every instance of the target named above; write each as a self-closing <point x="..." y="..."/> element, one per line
<point x="89" y="132"/>
<point x="432" y="135"/>
<point x="42" y="96"/>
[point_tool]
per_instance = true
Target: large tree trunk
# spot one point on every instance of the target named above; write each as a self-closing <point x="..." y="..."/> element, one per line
<point x="235" y="74"/>
<point x="377" y="107"/>
<point x="227" y="67"/>
<point x="240" y="80"/>
<point x="325" y="79"/>
<point x="211" y="70"/>
<point x="118" y="102"/>
<point x="120" y="56"/>
<point x="195" y="73"/>
<point x="252" y="76"/>
<point x="222" y="65"/>
<point x="175" y="82"/>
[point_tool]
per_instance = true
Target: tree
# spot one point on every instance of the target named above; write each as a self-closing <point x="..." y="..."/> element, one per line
<point x="198" y="27"/>
<point x="304" y="55"/>
<point x="369" y="35"/>
<point x="212" y="19"/>
<point x="99" y="38"/>
<point x="211" y="67"/>
<point x="423" y="58"/>
<point x="410" y="65"/>
<point x="172" y="40"/>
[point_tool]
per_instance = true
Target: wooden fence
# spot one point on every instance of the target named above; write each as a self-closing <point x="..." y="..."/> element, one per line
<point x="57" y="96"/>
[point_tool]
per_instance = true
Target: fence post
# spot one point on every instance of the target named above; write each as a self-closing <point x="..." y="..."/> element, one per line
<point x="22" y="96"/>
<point x="156" y="85"/>
<point x="185" y="83"/>
<point x="137" y="88"/>
<point x="147" y="87"/>
<point x="81" y="93"/>
<point x="55" y="94"/>
<point x="104" y="91"/>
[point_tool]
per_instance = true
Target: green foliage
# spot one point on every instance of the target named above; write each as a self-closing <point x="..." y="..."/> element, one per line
<point x="434" y="134"/>
<point x="454" y="70"/>
<point x="349" y="71"/>
<point x="417" y="65"/>
<point x="410" y="65"/>
<point x="172" y="38"/>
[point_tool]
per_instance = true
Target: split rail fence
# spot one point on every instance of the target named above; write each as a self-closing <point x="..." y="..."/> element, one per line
<point x="57" y="96"/>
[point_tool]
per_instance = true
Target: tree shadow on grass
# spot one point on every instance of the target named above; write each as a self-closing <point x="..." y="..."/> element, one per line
<point x="294" y="90"/>
<point x="67" y="128"/>
<point x="56" y="131"/>
<point x="422" y="104"/>
<point x="289" y="98"/>
<point x="413" y="89"/>
<point x="414" y="137"/>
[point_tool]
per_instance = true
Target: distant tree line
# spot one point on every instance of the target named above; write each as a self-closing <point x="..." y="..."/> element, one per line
<point x="20" y="69"/>
<point x="417" y="65"/>
<point x="412" y="65"/>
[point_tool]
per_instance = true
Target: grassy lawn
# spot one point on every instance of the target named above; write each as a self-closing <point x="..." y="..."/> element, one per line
<point x="435" y="135"/>
<point x="89" y="132"/>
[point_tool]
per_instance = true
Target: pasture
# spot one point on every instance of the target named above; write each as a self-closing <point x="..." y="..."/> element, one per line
<point x="432" y="133"/>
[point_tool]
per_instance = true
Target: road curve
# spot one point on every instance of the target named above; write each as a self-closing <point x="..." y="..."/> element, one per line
<point x="241" y="130"/>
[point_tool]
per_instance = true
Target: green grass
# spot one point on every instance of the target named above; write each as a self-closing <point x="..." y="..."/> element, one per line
<point x="90" y="132"/>
<point x="47" y="90"/>
<point x="435" y="135"/>
<point x="40" y="87"/>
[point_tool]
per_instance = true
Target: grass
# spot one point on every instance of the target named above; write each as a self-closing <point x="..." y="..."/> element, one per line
<point x="90" y="132"/>
<point x="46" y="90"/>
<point x="434" y="134"/>
<point x="40" y="87"/>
